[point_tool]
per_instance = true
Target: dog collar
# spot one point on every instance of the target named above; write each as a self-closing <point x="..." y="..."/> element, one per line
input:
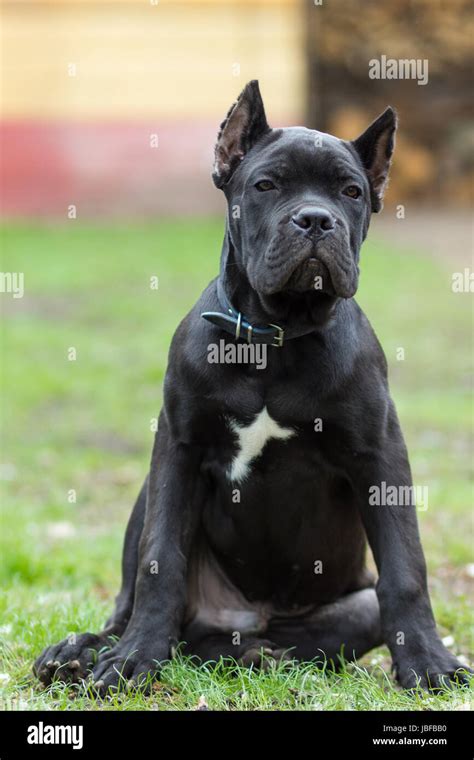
<point x="234" y="322"/>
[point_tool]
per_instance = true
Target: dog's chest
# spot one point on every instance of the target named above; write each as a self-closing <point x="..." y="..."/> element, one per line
<point x="251" y="440"/>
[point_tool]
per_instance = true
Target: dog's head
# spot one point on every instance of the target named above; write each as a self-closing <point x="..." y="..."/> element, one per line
<point x="299" y="201"/>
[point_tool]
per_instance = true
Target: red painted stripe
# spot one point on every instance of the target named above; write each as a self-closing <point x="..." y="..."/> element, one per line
<point x="107" y="169"/>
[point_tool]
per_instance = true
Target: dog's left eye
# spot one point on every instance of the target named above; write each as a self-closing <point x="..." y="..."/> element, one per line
<point x="353" y="191"/>
<point x="264" y="185"/>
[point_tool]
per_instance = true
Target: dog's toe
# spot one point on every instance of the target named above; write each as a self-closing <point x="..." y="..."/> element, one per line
<point x="443" y="672"/>
<point x="117" y="670"/>
<point x="263" y="654"/>
<point x="70" y="660"/>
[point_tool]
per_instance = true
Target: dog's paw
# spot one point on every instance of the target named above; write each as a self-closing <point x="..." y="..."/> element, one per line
<point x="125" y="667"/>
<point x="263" y="654"/>
<point x="437" y="671"/>
<point x="71" y="659"/>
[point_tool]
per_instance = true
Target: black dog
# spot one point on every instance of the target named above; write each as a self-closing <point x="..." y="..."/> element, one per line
<point x="249" y="534"/>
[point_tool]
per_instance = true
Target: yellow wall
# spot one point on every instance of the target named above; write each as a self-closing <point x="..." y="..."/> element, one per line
<point x="141" y="60"/>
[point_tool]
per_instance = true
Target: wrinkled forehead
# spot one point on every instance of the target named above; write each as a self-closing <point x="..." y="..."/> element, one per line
<point x="303" y="152"/>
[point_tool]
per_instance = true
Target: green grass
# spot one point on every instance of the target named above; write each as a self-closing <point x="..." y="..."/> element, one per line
<point x="85" y="425"/>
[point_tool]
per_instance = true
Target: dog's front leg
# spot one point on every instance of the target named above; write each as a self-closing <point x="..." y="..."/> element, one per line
<point x="172" y="515"/>
<point x="382" y="479"/>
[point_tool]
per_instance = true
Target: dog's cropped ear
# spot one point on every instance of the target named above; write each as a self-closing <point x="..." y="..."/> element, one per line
<point x="375" y="147"/>
<point x="243" y="126"/>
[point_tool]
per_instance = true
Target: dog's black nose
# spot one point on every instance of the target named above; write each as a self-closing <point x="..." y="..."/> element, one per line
<point x="314" y="219"/>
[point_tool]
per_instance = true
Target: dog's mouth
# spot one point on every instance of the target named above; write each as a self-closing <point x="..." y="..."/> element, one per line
<point x="326" y="266"/>
<point x="311" y="275"/>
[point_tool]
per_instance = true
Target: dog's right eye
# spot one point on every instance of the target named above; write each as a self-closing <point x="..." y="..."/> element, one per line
<point x="264" y="185"/>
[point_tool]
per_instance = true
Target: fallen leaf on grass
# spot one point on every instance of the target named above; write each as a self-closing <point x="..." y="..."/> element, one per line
<point x="202" y="704"/>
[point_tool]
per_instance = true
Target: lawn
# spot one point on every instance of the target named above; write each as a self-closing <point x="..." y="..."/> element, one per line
<point x="77" y="438"/>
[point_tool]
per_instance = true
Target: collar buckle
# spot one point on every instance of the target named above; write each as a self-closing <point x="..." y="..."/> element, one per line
<point x="238" y="326"/>
<point x="279" y="338"/>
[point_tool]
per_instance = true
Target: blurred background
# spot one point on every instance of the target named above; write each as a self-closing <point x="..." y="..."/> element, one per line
<point x="87" y="84"/>
<point x="109" y="115"/>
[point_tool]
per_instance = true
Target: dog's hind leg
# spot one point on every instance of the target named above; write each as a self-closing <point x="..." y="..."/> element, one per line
<point x="350" y="626"/>
<point x="71" y="659"/>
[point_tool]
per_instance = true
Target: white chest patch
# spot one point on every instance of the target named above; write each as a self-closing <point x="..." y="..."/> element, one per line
<point x="252" y="440"/>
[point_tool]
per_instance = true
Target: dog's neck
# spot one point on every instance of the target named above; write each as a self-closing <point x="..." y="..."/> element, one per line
<point x="312" y="309"/>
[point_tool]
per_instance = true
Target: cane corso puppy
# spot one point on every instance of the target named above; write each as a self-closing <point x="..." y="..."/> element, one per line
<point x="248" y="538"/>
